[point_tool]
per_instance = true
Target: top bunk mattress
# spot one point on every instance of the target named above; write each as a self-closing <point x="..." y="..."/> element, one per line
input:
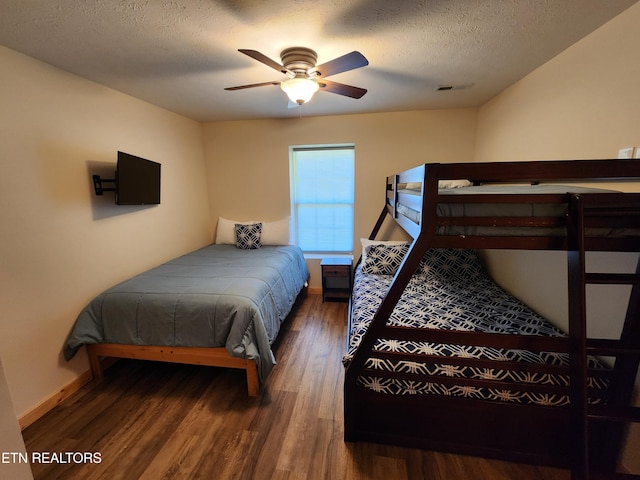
<point x="529" y="208"/>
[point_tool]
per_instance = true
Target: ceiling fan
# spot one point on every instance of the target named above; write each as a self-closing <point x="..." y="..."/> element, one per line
<point x="304" y="78"/>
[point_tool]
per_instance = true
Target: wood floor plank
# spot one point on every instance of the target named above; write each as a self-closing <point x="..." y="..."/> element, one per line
<point x="166" y="421"/>
<point x="174" y="460"/>
<point x="388" y="467"/>
<point x="271" y="423"/>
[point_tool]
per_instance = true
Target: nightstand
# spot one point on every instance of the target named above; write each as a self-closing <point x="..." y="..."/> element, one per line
<point x="336" y="278"/>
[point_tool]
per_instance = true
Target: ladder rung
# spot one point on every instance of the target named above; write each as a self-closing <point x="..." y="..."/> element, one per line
<point x="624" y="212"/>
<point x="615" y="414"/>
<point x="610" y="348"/>
<point x="626" y="220"/>
<point x="613" y="278"/>
<point x="612" y="476"/>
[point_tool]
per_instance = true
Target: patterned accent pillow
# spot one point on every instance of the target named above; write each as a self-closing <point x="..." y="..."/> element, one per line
<point x="384" y="259"/>
<point x="248" y="236"/>
<point x="460" y="263"/>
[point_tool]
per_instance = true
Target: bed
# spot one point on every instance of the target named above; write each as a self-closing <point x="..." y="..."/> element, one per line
<point x="218" y="306"/>
<point x="439" y="357"/>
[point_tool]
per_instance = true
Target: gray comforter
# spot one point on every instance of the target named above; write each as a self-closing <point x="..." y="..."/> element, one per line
<point x="218" y="296"/>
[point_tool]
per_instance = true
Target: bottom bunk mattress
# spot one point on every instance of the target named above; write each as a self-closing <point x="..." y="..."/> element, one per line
<point x="217" y="296"/>
<point x="450" y="291"/>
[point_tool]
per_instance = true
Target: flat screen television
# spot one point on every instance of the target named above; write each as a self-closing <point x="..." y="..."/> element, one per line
<point x="137" y="181"/>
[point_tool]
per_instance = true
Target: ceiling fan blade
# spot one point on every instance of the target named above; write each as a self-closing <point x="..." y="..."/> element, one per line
<point x="341" y="89"/>
<point x="264" y="59"/>
<point x="341" y="64"/>
<point x="263" y="84"/>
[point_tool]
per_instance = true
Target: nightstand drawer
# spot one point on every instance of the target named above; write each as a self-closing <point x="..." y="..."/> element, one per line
<point x="336" y="270"/>
<point x="336" y="278"/>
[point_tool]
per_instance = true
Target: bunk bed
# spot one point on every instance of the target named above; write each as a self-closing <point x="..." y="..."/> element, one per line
<point x="217" y="306"/>
<point x="399" y="386"/>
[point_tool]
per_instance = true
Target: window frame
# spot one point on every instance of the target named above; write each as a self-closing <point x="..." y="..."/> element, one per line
<point x="294" y="202"/>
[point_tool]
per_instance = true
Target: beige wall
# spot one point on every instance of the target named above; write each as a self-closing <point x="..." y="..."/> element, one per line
<point x="248" y="161"/>
<point x="60" y="244"/>
<point x="582" y="104"/>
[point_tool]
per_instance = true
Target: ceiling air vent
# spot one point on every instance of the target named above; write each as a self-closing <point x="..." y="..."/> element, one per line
<point x="446" y="88"/>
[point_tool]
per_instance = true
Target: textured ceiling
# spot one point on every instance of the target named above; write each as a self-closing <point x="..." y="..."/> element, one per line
<point x="180" y="54"/>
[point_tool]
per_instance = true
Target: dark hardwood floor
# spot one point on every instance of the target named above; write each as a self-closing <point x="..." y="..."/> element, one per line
<point x="162" y="421"/>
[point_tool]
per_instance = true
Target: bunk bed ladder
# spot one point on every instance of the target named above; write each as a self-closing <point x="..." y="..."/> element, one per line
<point x="585" y="212"/>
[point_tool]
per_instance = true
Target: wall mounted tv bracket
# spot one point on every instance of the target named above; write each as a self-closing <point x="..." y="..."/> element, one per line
<point x="97" y="184"/>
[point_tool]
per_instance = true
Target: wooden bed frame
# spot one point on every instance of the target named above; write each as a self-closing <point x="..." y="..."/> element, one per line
<point x="212" y="357"/>
<point x="206" y="356"/>
<point x="581" y="437"/>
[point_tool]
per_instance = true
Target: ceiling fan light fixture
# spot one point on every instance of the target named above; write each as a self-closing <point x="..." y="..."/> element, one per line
<point x="299" y="90"/>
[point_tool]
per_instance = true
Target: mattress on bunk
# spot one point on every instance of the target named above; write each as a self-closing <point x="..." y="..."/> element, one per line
<point x="451" y="291"/>
<point x="472" y="209"/>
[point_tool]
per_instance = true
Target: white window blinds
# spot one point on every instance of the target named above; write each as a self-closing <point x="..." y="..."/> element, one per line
<point x="322" y="198"/>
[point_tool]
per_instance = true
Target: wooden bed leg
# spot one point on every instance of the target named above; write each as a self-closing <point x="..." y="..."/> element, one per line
<point x="94" y="362"/>
<point x="253" y="385"/>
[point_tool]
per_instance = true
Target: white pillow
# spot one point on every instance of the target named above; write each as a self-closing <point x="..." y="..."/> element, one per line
<point x="276" y="233"/>
<point x="366" y="243"/>
<point x="225" y="233"/>
<point x="273" y="233"/>
<point x="454" y="183"/>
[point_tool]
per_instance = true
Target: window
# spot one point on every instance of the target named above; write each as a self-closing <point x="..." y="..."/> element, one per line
<point x="322" y="196"/>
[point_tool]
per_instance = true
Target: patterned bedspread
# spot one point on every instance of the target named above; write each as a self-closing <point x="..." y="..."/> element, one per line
<point x="451" y="291"/>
